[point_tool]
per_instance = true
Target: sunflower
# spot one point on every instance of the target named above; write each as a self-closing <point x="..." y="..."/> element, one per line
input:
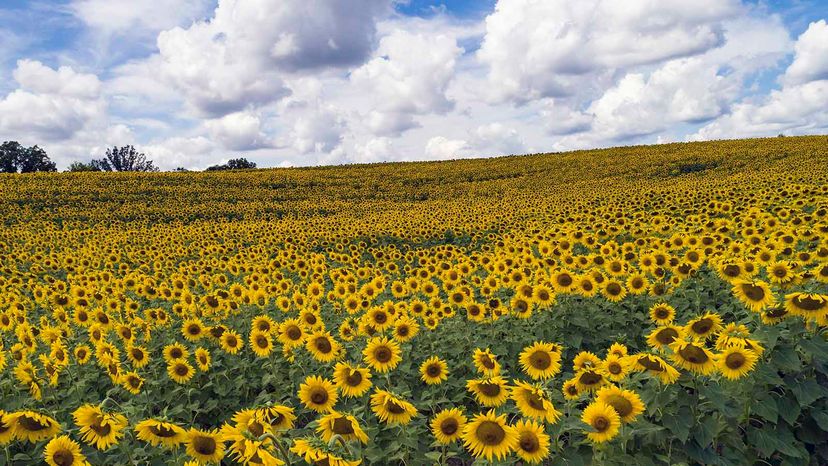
<point x="533" y="442"/>
<point x="603" y="420"/>
<point x="584" y="360"/>
<point x="175" y="352"/>
<point x="662" y="314"/>
<point x="343" y="424"/>
<point x="447" y="425"/>
<point x="616" y="367"/>
<point x="132" y="382"/>
<point x="264" y="324"/>
<point x="315" y="451"/>
<point x="534" y="402"/>
<point x="379" y="318"/>
<point x="279" y="417"/>
<point x="780" y="272"/>
<point x="774" y="315"/>
<point x="231" y="341"/>
<point x="704" y="326"/>
<point x="318" y="394"/>
<point x="756" y="295"/>
<point x="322" y="346"/>
<point x="489" y="436"/>
<point x="657" y="367"/>
<point x="261" y="343"/>
<point x="82" y="354"/>
<point x="352" y="381"/>
<point x="382" y="354"/>
<point x="31" y="426"/>
<point x="614" y="290"/>
<point x="405" y="328"/>
<point x="662" y="337"/>
<point x="617" y="349"/>
<point x="489" y="391"/>
<point x="807" y="305"/>
<point x="6" y="428"/>
<point x="180" y="371"/>
<point x="97" y="428"/>
<point x="563" y="281"/>
<point x="162" y="433"/>
<point x="204" y="446"/>
<point x="626" y="403"/>
<point x="541" y="360"/>
<point x="192" y="329"/>
<point x="63" y="451"/>
<point x="433" y="371"/>
<point x="570" y="390"/>
<point x="485" y="362"/>
<point x="137" y="356"/>
<point x="392" y="409"/>
<point x="692" y="356"/>
<point x="203" y="359"/>
<point x="735" y="362"/>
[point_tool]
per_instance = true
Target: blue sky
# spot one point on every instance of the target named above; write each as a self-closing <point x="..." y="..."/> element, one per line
<point x="196" y="82"/>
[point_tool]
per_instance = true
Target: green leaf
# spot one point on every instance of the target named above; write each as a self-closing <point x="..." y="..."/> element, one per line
<point x="679" y="424"/>
<point x="807" y="391"/>
<point x="821" y="418"/>
<point x="766" y="408"/>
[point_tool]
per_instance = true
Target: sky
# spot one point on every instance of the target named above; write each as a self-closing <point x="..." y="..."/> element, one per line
<point x="194" y="83"/>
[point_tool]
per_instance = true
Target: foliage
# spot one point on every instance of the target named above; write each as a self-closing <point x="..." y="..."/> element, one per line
<point x="15" y="158"/>
<point x="687" y="312"/>
<point x="233" y="164"/>
<point x="83" y="167"/>
<point x="124" y="159"/>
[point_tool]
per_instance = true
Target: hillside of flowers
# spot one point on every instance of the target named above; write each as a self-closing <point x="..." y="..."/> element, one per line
<point x="641" y="305"/>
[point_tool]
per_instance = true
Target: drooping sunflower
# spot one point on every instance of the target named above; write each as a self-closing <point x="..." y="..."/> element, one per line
<point x="626" y="403"/>
<point x="662" y="337"/>
<point x="180" y="371"/>
<point x="343" y="424"/>
<point x="662" y="314"/>
<point x="692" y="356"/>
<point x="434" y="371"/>
<point x="63" y="451"/>
<point x="447" y="425"/>
<point x="352" y="381"/>
<point x="318" y="394"/>
<point x="485" y="362"/>
<point x="541" y="360"/>
<point x="203" y="359"/>
<point x="382" y="354"/>
<point x="533" y="442"/>
<point x="279" y="417"/>
<point x="657" y="367"/>
<point x="603" y="420"/>
<point x="162" y="433"/>
<point x="489" y="436"/>
<point x="811" y="306"/>
<point x="534" y="402"/>
<point x="261" y="343"/>
<point x="489" y="391"/>
<point x="98" y="428"/>
<point x="392" y="409"/>
<point x="322" y="346"/>
<point x="204" y="446"/>
<point x="756" y="294"/>
<point x="704" y="326"/>
<point x="32" y="427"/>
<point x="735" y="362"/>
<point x="315" y="451"/>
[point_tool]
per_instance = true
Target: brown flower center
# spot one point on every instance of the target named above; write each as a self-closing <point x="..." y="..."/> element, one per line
<point x="490" y="433"/>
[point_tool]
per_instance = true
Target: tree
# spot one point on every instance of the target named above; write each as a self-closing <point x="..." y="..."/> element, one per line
<point x="124" y="159"/>
<point x="17" y="158"/>
<point x="234" y="164"/>
<point x="82" y="167"/>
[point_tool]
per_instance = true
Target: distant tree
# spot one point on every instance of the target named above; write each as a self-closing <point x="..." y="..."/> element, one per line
<point x="181" y="169"/>
<point x="17" y="158"/>
<point x="233" y="164"/>
<point x="124" y="159"/>
<point x="82" y="167"/>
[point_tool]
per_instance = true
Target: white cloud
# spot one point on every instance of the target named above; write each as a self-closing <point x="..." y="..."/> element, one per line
<point x="238" y="131"/>
<point x="318" y="131"/>
<point x="539" y="49"/>
<point x="375" y="150"/>
<point x="811" y="60"/>
<point x="408" y="76"/>
<point x="50" y="104"/>
<point x="497" y="139"/>
<point x="440" y="147"/>
<point x="125" y="16"/>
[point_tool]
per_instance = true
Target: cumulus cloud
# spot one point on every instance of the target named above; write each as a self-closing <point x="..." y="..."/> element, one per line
<point x="811" y="60"/>
<point x="50" y="104"/>
<point x="537" y="49"/>
<point x="125" y="16"/>
<point x="238" y="131"/>
<point x="408" y="76"/>
<point x="237" y="59"/>
<point x="440" y="147"/>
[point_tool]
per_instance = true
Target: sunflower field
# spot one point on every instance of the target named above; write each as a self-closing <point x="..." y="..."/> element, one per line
<point x="643" y="305"/>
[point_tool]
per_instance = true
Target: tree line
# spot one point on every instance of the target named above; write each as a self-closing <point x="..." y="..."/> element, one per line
<point x="16" y="158"/>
